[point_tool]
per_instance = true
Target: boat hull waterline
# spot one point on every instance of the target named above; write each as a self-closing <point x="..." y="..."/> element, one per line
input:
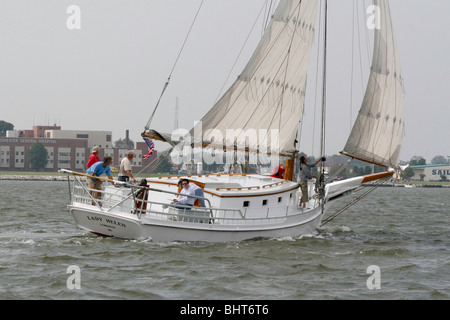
<point x="129" y="226"/>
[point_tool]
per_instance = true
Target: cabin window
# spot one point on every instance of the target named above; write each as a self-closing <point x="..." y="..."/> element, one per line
<point x="246" y="203"/>
<point x="264" y="203"/>
<point x="279" y="199"/>
<point x="290" y="195"/>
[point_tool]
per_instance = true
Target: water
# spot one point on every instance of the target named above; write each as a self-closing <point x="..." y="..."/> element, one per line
<point x="403" y="231"/>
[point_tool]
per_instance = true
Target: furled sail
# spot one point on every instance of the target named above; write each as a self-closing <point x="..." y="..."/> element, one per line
<point x="263" y="107"/>
<point x="378" y="131"/>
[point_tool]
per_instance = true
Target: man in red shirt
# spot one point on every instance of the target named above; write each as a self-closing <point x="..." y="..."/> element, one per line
<point x="94" y="157"/>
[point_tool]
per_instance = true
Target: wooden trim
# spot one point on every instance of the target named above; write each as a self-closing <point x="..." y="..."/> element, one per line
<point x="377" y="176"/>
<point x="289" y="172"/>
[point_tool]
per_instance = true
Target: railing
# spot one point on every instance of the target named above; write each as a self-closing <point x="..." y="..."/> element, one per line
<point x="133" y="199"/>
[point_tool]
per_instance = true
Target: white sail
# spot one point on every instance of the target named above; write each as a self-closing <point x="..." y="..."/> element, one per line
<point x="378" y="130"/>
<point x="269" y="95"/>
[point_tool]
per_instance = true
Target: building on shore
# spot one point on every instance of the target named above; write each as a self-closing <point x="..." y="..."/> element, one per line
<point x="66" y="149"/>
<point x="431" y="172"/>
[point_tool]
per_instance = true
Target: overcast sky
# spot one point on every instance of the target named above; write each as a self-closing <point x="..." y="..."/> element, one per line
<point x="108" y="75"/>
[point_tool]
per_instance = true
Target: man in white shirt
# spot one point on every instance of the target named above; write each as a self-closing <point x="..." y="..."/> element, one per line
<point x="186" y="191"/>
<point x="126" y="167"/>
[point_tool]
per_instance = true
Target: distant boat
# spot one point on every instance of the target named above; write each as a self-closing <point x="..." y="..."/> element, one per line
<point x="268" y="95"/>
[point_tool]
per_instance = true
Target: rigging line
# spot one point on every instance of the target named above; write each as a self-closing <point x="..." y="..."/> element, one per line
<point x="239" y="54"/>
<point x="267" y="15"/>
<point x="147" y="126"/>
<point x="148" y="165"/>
<point x="342" y="167"/>
<point x="368" y="42"/>
<point x="354" y="201"/>
<point x="360" y="50"/>
<point x="352" y="66"/>
<point x="160" y="159"/>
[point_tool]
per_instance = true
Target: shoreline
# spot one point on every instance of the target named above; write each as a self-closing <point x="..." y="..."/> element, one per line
<point x="30" y="177"/>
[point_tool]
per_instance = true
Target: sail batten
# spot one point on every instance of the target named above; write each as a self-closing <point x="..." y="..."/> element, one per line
<point x="378" y="130"/>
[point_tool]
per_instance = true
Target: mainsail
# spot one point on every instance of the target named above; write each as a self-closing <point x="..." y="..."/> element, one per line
<point x="269" y="95"/>
<point x="262" y="109"/>
<point x="378" y="130"/>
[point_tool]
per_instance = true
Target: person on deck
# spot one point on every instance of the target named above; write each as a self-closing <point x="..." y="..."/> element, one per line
<point x="198" y="191"/>
<point x="94" y="157"/>
<point x="184" y="198"/>
<point x="96" y="170"/>
<point x="304" y="176"/>
<point x="126" y="167"/>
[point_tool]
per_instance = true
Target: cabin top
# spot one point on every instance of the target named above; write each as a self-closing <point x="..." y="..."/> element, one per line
<point x="232" y="184"/>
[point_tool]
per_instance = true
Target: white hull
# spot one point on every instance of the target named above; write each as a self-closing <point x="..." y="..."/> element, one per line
<point x="128" y="226"/>
<point x="239" y="207"/>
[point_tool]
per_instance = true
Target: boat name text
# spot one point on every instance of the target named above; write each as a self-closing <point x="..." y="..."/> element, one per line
<point x="110" y="221"/>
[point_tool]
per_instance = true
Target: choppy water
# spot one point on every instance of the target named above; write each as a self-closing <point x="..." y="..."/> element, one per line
<point x="403" y="231"/>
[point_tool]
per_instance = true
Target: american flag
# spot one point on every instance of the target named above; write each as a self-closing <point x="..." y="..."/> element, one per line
<point x="151" y="147"/>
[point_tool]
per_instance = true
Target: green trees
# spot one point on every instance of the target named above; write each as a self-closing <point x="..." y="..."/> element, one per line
<point x="4" y="126"/>
<point x="38" y="156"/>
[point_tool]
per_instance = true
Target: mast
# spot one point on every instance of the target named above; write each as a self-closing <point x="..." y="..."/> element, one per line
<point x="324" y="105"/>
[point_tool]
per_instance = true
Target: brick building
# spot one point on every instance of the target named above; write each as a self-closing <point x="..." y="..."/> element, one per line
<point x="66" y="153"/>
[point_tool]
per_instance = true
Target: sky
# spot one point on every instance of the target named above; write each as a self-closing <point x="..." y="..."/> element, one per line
<point x="106" y="70"/>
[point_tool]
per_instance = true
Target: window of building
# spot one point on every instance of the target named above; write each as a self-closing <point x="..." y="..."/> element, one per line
<point x="108" y="138"/>
<point x="82" y="136"/>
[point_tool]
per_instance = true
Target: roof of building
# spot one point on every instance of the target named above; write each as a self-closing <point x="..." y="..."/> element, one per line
<point x="430" y="166"/>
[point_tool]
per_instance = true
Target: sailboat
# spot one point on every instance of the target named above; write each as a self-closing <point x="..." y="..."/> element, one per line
<point x="258" y="115"/>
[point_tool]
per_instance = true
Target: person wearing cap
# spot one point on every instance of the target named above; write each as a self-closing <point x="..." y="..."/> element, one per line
<point x="96" y="170"/>
<point x="126" y="167"/>
<point x="94" y="157"/>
